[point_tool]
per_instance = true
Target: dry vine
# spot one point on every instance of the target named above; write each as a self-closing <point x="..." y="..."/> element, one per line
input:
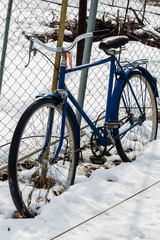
<point x="125" y="26"/>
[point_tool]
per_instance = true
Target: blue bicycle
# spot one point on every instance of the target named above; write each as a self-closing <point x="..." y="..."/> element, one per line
<point x="44" y="151"/>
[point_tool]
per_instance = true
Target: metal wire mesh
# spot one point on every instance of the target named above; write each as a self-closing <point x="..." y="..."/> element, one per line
<point x="41" y="17"/>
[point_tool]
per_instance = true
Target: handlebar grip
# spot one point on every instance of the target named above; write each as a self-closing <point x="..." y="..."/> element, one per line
<point x="101" y="32"/>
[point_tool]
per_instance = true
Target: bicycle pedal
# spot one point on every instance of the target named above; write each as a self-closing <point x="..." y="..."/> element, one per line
<point x="113" y="124"/>
<point x="96" y="160"/>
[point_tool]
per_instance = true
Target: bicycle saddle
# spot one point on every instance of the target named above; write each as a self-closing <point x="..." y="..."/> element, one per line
<point x="113" y="42"/>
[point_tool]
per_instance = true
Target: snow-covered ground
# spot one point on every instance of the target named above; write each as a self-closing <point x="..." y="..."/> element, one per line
<point x="137" y="218"/>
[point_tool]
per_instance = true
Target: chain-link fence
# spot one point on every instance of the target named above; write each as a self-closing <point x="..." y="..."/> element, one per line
<point x="136" y="18"/>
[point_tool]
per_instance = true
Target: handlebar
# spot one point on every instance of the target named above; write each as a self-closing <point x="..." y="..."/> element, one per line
<point x="69" y="48"/>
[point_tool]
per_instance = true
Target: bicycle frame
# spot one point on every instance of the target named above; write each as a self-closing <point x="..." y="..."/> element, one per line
<point x="103" y="140"/>
<point x="110" y="99"/>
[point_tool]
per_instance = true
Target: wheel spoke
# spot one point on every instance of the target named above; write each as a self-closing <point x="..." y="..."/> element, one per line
<point x="36" y="185"/>
<point x="132" y="142"/>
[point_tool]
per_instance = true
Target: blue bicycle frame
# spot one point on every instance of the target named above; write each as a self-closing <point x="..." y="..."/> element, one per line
<point x="111" y="105"/>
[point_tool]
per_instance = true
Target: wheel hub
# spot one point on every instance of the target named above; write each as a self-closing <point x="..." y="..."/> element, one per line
<point x="133" y="119"/>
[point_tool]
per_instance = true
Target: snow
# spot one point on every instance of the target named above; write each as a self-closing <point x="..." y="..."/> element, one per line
<point x="147" y="29"/>
<point x="136" y="218"/>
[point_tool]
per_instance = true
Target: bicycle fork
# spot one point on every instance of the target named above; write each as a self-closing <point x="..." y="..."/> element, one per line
<point x="43" y="157"/>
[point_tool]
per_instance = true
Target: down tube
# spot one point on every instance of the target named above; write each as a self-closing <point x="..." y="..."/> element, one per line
<point x="103" y="141"/>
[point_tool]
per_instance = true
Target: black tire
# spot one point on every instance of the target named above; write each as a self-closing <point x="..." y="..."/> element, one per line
<point x="28" y="189"/>
<point x="130" y="144"/>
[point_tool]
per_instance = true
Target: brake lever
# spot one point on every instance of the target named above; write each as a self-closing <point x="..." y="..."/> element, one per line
<point x="31" y="49"/>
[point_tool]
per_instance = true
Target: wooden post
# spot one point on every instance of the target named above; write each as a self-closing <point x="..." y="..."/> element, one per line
<point x="128" y="1"/>
<point x="59" y="43"/>
<point x="144" y="9"/>
<point x="43" y="177"/>
<point x="81" y="29"/>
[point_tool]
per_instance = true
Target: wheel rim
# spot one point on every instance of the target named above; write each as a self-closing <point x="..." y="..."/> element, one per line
<point x="38" y="185"/>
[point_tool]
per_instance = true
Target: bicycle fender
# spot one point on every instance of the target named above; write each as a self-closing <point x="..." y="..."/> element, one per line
<point x="115" y="98"/>
<point x="75" y="124"/>
<point x="152" y="80"/>
<point x="48" y="95"/>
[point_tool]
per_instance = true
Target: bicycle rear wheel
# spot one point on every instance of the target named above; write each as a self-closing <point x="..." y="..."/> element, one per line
<point x="33" y="183"/>
<point x="131" y="143"/>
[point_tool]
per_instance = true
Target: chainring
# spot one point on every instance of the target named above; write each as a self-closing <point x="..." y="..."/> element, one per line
<point x="97" y="149"/>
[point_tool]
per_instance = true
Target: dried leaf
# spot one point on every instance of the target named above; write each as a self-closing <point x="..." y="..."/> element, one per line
<point x="16" y="214"/>
<point x="3" y="176"/>
<point x="109" y="180"/>
<point x="93" y="167"/>
<point x="58" y="192"/>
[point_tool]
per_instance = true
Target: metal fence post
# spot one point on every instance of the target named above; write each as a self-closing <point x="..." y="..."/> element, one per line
<point x="86" y="56"/>
<point x="5" y="41"/>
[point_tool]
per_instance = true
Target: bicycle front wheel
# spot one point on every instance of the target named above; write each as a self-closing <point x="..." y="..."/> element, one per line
<point x="134" y="140"/>
<point x="33" y="183"/>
